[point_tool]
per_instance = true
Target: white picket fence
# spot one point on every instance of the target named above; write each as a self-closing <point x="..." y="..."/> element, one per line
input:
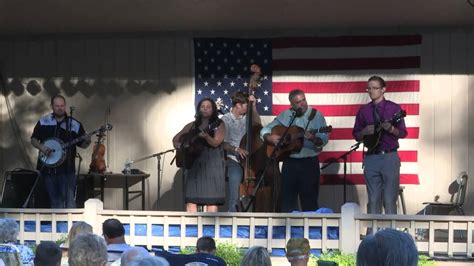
<point x="449" y="236"/>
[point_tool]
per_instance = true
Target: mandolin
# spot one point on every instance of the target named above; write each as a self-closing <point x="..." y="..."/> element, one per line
<point x="372" y="141"/>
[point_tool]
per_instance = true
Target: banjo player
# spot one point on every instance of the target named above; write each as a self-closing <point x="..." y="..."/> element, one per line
<point x="59" y="172"/>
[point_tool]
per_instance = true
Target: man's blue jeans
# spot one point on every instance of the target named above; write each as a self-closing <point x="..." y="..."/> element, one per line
<point x="234" y="173"/>
<point x="61" y="189"/>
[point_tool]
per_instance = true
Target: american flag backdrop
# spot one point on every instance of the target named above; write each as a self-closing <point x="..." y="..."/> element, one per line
<point x="333" y="72"/>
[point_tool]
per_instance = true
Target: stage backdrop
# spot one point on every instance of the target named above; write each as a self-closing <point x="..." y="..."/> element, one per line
<point x="147" y="85"/>
<point x="333" y="72"/>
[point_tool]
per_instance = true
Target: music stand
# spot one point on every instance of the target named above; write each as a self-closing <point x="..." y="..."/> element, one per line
<point x="344" y="158"/>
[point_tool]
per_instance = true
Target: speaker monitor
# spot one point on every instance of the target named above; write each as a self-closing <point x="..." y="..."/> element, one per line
<point x="16" y="185"/>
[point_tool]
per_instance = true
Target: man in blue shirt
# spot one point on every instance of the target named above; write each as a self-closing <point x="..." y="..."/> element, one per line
<point x="205" y="254"/>
<point x="60" y="179"/>
<point x="114" y="234"/>
<point x="300" y="171"/>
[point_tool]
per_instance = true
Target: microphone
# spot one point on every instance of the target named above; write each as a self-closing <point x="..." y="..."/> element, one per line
<point x="71" y="109"/>
<point x="299" y="112"/>
<point x="356" y="146"/>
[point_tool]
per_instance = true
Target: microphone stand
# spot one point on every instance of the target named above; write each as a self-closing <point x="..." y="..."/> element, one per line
<point x="343" y="157"/>
<point x="128" y="164"/>
<point x="68" y="156"/>
<point x="33" y="188"/>
<point x="270" y="161"/>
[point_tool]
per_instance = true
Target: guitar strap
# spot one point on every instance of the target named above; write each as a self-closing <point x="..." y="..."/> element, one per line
<point x="310" y="118"/>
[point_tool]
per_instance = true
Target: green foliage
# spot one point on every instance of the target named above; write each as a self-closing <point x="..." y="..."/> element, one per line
<point x="232" y="254"/>
<point x="350" y="259"/>
<point x="188" y="250"/>
<point x="62" y="239"/>
<point x="425" y="261"/>
<point x="229" y="252"/>
<point x="335" y="256"/>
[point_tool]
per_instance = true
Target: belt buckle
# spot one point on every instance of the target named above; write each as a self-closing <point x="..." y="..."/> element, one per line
<point x="387" y="151"/>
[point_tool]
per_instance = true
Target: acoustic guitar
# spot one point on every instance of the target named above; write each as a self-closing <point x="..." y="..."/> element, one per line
<point x="293" y="141"/>
<point x="192" y="145"/>
<point x="372" y="141"/>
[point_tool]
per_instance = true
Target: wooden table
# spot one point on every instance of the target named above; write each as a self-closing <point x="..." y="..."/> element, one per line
<point x="119" y="180"/>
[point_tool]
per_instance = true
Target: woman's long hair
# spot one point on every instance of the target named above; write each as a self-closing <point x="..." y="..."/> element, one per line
<point x="214" y="117"/>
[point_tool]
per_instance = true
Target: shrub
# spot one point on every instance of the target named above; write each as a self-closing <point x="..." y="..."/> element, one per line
<point x="350" y="259"/>
<point x="337" y="257"/>
<point x="229" y="252"/>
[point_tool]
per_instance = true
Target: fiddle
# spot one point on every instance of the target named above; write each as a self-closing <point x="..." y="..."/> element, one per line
<point x="97" y="164"/>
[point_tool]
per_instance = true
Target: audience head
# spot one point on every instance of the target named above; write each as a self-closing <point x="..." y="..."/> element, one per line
<point x="206" y="244"/>
<point x="77" y="229"/>
<point x="150" y="261"/>
<point x="387" y="247"/>
<point x="133" y="253"/>
<point x="87" y="249"/>
<point x="256" y="256"/>
<point x="8" y="230"/>
<point x="297" y="250"/>
<point x="48" y="253"/>
<point x="113" y="231"/>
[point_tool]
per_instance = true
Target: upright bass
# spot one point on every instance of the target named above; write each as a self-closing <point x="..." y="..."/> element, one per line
<point x="258" y="191"/>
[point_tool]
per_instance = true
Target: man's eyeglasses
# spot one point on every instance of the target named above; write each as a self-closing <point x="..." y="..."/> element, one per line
<point x="373" y="88"/>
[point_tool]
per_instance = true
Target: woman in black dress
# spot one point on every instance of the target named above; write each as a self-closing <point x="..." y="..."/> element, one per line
<point x="205" y="179"/>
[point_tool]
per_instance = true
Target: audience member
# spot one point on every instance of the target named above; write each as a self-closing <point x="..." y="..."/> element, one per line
<point x="8" y="235"/>
<point x="88" y="250"/>
<point x="206" y="252"/>
<point x="131" y="254"/>
<point x="256" y="256"/>
<point x="297" y="251"/>
<point x="48" y="253"/>
<point x="150" y="261"/>
<point x="76" y="229"/>
<point x="10" y="255"/>
<point x="206" y="244"/>
<point x="387" y="247"/>
<point x="114" y="234"/>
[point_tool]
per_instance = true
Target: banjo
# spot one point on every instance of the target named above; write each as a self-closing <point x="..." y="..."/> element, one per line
<point x="58" y="147"/>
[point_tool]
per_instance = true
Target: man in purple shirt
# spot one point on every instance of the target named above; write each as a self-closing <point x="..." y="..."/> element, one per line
<point x="382" y="163"/>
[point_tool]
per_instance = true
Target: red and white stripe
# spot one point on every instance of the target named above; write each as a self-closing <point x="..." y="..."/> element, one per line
<point x="333" y="72"/>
